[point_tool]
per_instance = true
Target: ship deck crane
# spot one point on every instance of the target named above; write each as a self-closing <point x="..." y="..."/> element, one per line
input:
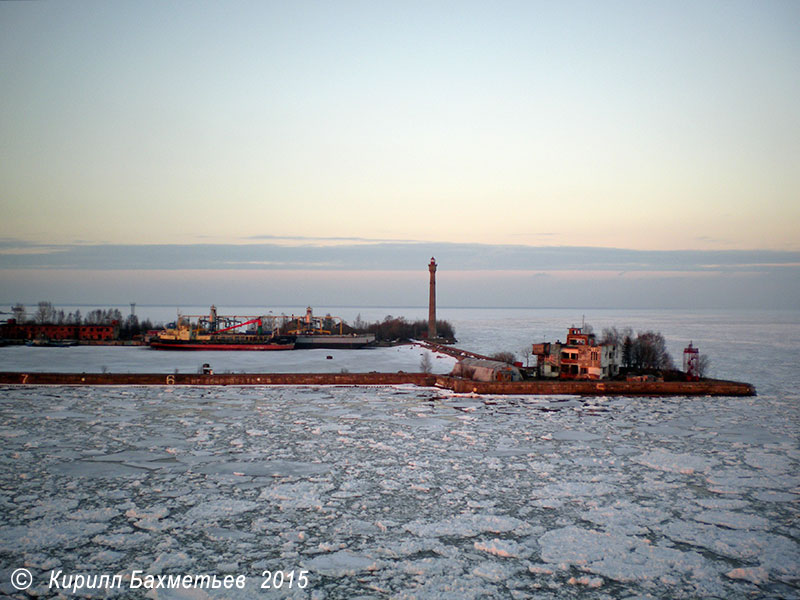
<point x="250" y="322"/>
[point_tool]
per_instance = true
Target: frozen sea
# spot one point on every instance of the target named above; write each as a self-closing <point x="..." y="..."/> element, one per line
<point x="403" y="492"/>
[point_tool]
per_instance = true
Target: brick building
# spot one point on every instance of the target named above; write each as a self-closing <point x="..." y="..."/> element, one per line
<point x="580" y="357"/>
<point x="11" y="330"/>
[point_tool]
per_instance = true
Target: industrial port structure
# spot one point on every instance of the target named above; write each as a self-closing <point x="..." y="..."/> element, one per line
<point x="257" y="332"/>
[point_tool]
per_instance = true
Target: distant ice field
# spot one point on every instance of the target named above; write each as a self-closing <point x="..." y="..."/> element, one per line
<point x="404" y="492"/>
<point x="142" y="359"/>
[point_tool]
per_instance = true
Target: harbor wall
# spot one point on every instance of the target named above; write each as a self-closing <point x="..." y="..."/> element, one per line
<point x="710" y="387"/>
<point x="366" y="379"/>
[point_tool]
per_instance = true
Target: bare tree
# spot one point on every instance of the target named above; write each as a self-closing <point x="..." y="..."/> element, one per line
<point x="612" y="335"/>
<point x="93" y="317"/>
<point x="19" y="312"/>
<point x="703" y="365"/>
<point x="526" y="352"/>
<point x="649" y="351"/>
<point x="358" y="323"/>
<point x="103" y="317"/>
<point x="506" y="357"/>
<point x="622" y="338"/>
<point x="45" y="313"/>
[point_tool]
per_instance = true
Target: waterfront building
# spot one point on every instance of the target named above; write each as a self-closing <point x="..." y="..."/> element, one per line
<point x="581" y="357"/>
<point x="11" y="330"/>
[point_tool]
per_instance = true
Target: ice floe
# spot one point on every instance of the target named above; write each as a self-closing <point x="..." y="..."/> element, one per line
<point x="467" y="525"/>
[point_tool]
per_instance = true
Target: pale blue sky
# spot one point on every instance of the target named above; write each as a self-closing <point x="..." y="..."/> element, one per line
<point x="651" y="126"/>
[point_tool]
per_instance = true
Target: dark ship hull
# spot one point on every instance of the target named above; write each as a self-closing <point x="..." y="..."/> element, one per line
<point x="252" y="343"/>
<point x="332" y="342"/>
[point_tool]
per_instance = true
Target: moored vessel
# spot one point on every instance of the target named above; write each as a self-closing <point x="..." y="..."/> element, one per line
<point x="311" y="331"/>
<point x="241" y="342"/>
<point x="259" y="333"/>
<point x="215" y="332"/>
<point x="351" y="341"/>
<point x="49" y="343"/>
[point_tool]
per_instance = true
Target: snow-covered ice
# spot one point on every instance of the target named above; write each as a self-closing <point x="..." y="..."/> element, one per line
<point x="398" y="491"/>
<point x="142" y="359"/>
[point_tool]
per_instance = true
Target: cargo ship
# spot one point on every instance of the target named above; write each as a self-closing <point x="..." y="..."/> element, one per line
<point x="218" y="332"/>
<point x="257" y="333"/>
<point x="233" y="342"/>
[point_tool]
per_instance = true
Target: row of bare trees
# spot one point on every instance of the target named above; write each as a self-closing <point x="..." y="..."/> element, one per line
<point x="398" y="328"/>
<point x="47" y="314"/>
<point x="646" y="350"/>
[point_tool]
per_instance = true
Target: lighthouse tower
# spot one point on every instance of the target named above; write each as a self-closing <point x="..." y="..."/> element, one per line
<point x="691" y="359"/>
<point x="432" y="301"/>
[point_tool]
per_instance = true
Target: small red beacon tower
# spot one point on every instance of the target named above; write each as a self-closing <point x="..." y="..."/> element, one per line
<point x="691" y="357"/>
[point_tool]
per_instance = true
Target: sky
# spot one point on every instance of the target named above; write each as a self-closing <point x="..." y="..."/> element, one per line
<point x="548" y="154"/>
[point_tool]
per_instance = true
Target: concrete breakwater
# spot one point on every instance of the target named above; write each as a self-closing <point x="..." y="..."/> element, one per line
<point x="708" y="387"/>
